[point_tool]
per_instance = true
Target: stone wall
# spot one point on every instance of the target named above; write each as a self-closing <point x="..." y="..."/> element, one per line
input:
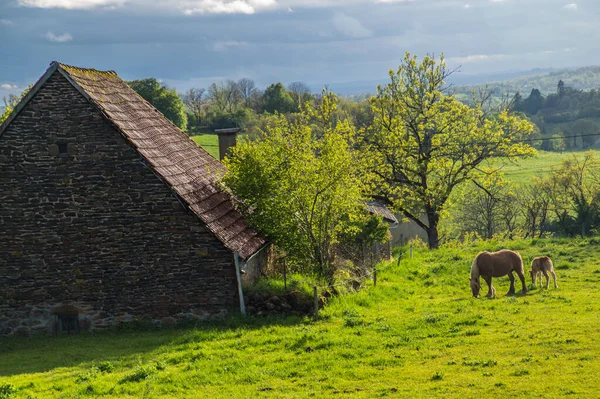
<point x="86" y="227"/>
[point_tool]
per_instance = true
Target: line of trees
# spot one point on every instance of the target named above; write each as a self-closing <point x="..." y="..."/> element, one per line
<point x="566" y="119"/>
<point x="566" y="202"/>
<point x="223" y="104"/>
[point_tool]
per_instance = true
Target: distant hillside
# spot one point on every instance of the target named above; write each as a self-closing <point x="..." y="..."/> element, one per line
<point x="585" y="78"/>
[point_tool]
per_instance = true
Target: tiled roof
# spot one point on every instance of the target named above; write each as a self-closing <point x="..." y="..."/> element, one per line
<point x="376" y="208"/>
<point x="190" y="171"/>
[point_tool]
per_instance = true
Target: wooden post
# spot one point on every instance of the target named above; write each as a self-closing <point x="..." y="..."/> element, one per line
<point x="410" y="249"/>
<point x="399" y="257"/>
<point x="316" y="299"/>
<point x="284" y="275"/>
<point x="375" y="277"/>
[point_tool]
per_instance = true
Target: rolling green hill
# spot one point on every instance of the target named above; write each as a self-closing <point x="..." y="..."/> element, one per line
<point x="417" y="334"/>
<point x="522" y="170"/>
<point x="585" y="78"/>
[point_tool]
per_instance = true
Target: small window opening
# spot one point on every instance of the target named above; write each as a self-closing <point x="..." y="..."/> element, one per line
<point x="62" y="149"/>
<point x="68" y="324"/>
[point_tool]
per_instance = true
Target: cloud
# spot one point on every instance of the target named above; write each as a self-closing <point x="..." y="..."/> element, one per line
<point x="571" y="6"/>
<point x="393" y="1"/>
<point x="70" y="4"/>
<point x="350" y="26"/>
<point x="224" y="45"/>
<point x="479" y="58"/>
<point x="467" y="6"/>
<point x="7" y="86"/>
<point x="62" y="38"/>
<point x="5" y="22"/>
<point x="188" y="7"/>
<point x="225" y="6"/>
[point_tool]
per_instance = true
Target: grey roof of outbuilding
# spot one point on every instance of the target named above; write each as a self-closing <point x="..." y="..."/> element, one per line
<point x="376" y="208"/>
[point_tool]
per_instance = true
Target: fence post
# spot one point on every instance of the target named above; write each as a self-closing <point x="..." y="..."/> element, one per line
<point x="411" y="249"/>
<point x="399" y="258"/>
<point x="284" y="275"/>
<point x="375" y="277"/>
<point x="316" y="300"/>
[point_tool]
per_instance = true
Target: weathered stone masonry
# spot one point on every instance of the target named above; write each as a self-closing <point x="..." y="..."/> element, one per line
<point x="85" y="224"/>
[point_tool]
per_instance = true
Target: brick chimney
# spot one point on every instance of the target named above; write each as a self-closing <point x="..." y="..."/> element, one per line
<point x="227" y="139"/>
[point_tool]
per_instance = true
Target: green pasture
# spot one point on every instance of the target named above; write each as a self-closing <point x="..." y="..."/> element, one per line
<point x="210" y="142"/>
<point x="523" y="169"/>
<point x="417" y="334"/>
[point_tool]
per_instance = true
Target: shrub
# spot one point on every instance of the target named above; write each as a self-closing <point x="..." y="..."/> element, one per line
<point x="106" y="367"/>
<point x="140" y="374"/>
<point x="438" y="376"/>
<point x="7" y="391"/>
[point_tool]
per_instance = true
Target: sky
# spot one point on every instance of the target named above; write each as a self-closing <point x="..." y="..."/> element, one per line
<point x="191" y="43"/>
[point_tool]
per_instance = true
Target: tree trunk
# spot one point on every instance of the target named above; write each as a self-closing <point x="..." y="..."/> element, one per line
<point x="433" y="238"/>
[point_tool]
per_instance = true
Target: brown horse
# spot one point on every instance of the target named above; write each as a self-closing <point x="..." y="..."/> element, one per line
<point x="496" y="264"/>
<point x="542" y="264"/>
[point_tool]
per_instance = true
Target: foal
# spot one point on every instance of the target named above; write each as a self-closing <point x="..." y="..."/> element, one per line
<point x="539" y="265"/>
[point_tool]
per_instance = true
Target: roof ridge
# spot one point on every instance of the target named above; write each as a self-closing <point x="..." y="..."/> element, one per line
<point x="68" y="67"/>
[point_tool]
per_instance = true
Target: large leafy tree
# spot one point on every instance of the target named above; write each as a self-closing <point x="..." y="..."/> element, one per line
<point x="300" y="184"/>
<point x="425" y="143"/>
<point x="278" y="99"/>
<point x="164" y="99"/>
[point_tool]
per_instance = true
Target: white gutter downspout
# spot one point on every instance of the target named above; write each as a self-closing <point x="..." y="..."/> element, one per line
<point x="238" y="274"/>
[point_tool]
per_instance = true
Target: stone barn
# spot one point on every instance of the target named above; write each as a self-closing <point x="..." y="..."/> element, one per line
<point x="109" y="213"/>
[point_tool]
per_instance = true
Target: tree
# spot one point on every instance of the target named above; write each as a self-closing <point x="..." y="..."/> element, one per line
<point x="480" y="206"/>
<point x="587" y="129"/>
<point x="558" y="142"/>
<point x="196" y="103"/>
<point x="300" y="188"/>
<point x="517" y="102"/>
<point x="535" y="201"/>
<point x="533" y="103"/>
<point x="225" y="97"/>
<point x="560" y="88"/>
<point x="300" y="92"/>
<point x="166" y="100"/>
<point x="578" y="181"/>
<point x="425" y="143"/>
<point x="277" y="99"/>
<point x="247" y="89"/>
<point x="11" y="102"/>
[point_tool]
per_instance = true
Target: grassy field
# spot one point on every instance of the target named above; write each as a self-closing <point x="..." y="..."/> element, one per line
<point x="210" y="142"/>
<point x="525" y="168"/>
<point x="418" y="334"/>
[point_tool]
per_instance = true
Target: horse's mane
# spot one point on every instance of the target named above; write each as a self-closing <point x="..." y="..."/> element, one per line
<point x="475" y="269"/>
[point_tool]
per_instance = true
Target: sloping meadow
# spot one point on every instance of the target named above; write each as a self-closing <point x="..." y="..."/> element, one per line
<point x="418" y="333"/>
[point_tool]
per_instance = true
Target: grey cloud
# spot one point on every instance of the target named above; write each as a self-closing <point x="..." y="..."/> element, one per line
<point x="58" y="38"/>
<point x="350" y="26"/>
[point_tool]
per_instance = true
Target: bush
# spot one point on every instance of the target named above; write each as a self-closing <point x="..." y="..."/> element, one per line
<point x="106" y="367"/>
<point x="7" y="391"/>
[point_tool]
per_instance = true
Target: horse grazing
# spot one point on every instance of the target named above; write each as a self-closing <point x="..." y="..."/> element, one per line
<point x="496" y="264"/>
<point x="539" y="265"/>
